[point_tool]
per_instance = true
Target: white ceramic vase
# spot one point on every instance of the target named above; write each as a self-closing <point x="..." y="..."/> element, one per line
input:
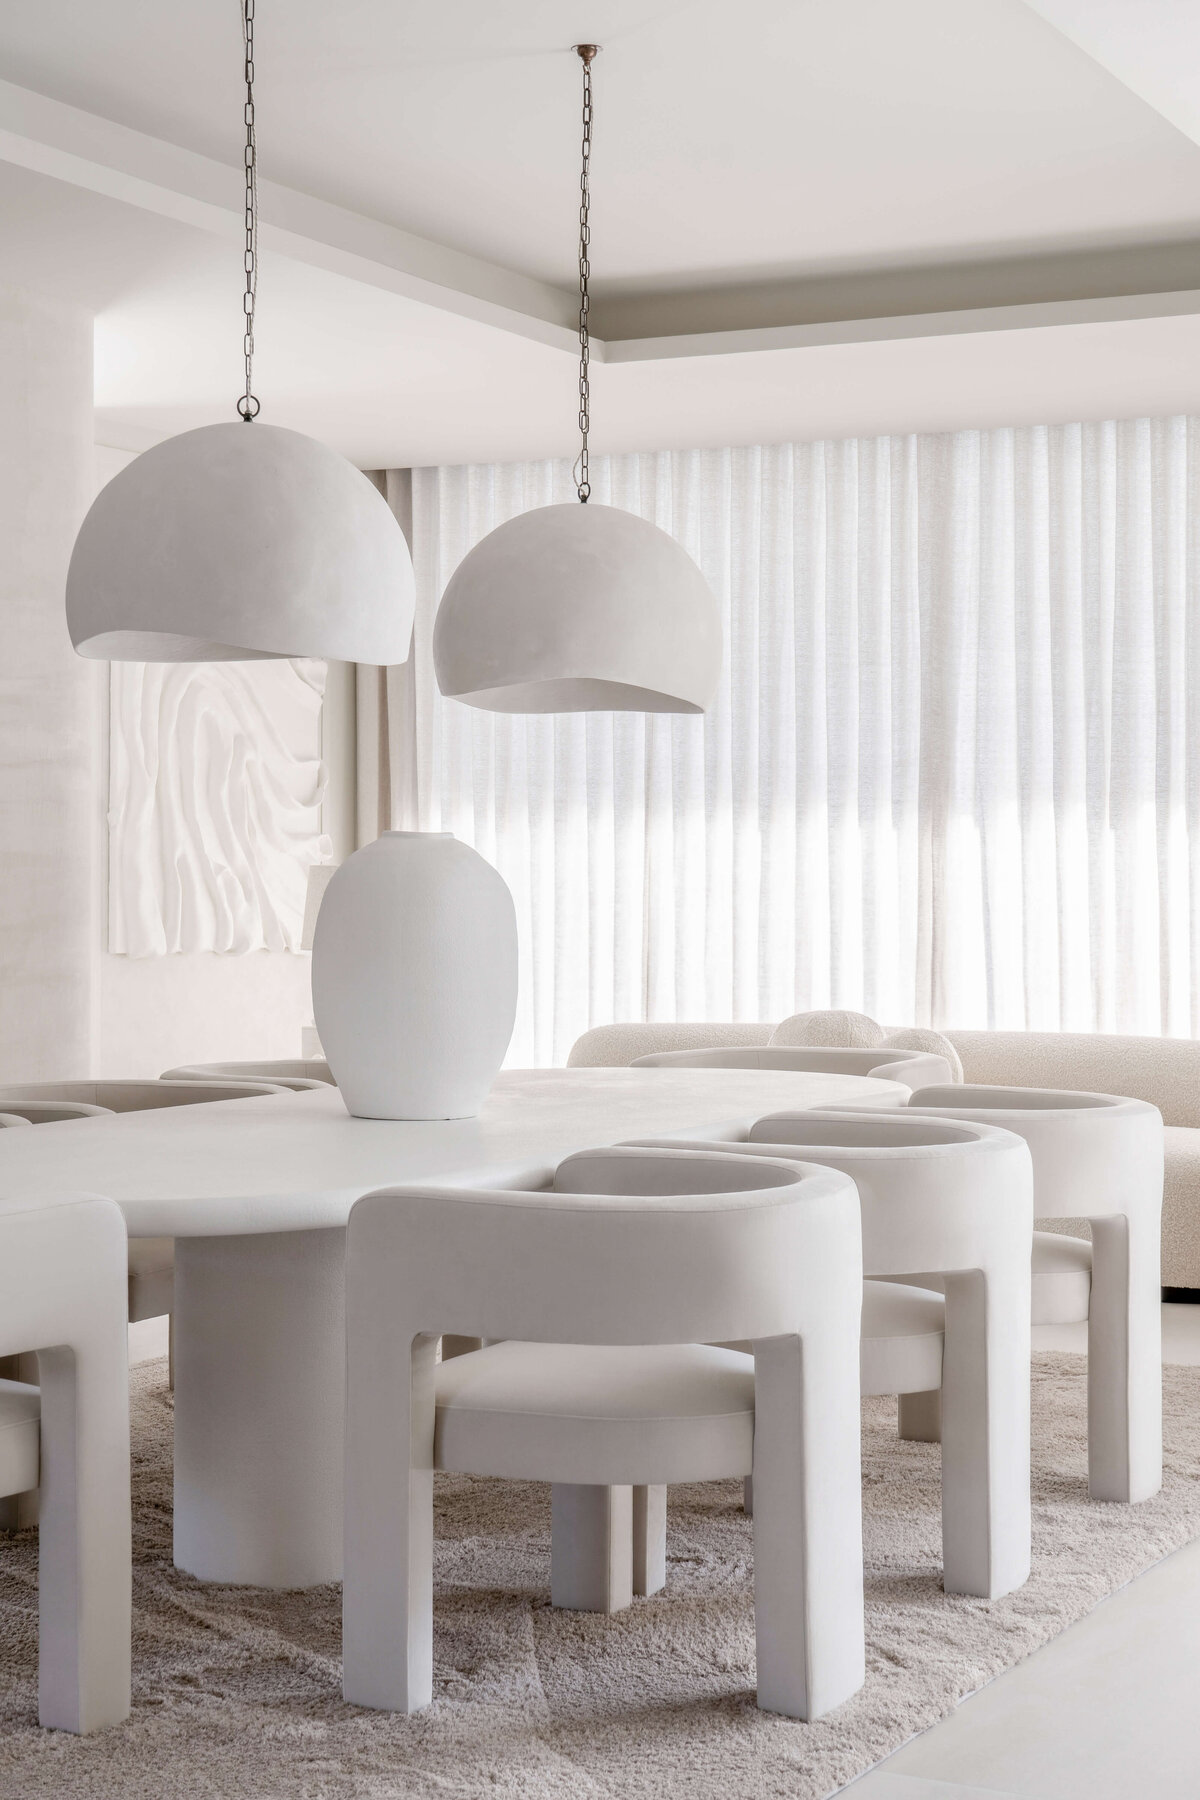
<point x="414" y="977"/>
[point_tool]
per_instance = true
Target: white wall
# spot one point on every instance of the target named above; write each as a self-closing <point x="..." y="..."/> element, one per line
<point x="48" y="718"/>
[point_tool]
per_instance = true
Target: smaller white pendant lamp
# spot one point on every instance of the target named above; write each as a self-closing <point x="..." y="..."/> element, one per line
<point x="579" y="608"/>
<point x="242" y="540"/>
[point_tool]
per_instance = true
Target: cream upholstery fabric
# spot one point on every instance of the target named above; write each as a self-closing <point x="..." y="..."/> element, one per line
<point x="132" y="1096"/>
<point x="617" y="1046"/>
<point x="1062" y="1280"/>
<point x="1181" y="1207"/>
<point x="297" y="1072"/>
<point x="1164" y="1071"/>
<point x="601" y="1414"/>
<point x="62" y="1290"/>
<point x="20" y="1434"/>
<point x="932" y="1043"/>
<point x="909" y="1067"/>
<point x="903" y="1335"/>
<point x="628" y="1248"/>
<point x="829" y="1030"/>
<point x="619" y="1414"/>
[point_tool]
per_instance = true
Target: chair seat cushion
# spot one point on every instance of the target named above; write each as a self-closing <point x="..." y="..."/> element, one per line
<point x="1062" y="1278"/>
<point x="600" y="1415"/>
<point x="20" y="1436"/>
<point x="903" y="1334"/>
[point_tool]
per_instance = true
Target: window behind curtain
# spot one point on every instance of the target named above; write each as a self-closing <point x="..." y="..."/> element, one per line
<point x="950" y="776"/>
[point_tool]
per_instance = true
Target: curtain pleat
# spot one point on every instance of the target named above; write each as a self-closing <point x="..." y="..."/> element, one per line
<point x="950" y="775"/>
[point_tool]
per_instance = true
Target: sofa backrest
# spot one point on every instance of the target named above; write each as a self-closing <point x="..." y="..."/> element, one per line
<point x="1164" y="1071"/>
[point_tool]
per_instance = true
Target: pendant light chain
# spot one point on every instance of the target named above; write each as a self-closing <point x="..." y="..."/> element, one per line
<point x="583" y="486"/>
<point x="247" y="406"/>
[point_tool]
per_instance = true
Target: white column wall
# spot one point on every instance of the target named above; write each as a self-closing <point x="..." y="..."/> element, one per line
<point x="48" y="696"/>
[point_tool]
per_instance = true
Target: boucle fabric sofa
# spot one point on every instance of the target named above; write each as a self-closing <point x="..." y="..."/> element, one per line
<point x="1164" y="1071"/>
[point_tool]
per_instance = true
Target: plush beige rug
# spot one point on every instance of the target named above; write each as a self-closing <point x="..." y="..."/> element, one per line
<point x="237" y="1691"/>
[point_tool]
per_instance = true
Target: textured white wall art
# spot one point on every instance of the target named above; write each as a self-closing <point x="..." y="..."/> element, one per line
<point x="215" y="785"/>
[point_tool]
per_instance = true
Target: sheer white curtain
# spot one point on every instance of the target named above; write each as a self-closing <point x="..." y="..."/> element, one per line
<point x="950" y="776"/>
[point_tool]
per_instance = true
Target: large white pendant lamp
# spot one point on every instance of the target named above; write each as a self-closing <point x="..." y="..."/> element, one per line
<point x="579" y="608"/>
<point x="241" y="540"/>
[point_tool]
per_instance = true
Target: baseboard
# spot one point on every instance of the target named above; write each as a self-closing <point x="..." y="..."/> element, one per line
<point x="1182" y="1296"/>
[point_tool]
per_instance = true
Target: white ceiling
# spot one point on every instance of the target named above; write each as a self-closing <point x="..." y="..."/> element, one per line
<point x="811" y="217"/>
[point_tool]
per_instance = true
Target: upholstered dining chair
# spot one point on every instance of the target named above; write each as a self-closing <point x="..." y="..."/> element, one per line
<point x="151" y="1261"/>
<point x="1097" y="1157"/>
<point x="955" y="1199"/>
<point x="52" y="1112"/>
<point x="609" y="1288"/>
<point x="292" y="1072"/>
<point x="62" y="1295"/>
<point x="912" y="1067"/>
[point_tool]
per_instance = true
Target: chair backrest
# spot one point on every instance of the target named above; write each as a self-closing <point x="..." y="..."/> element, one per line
<point x="617" y="1046"/>
<point x="297" y="1072"/>
<point x="132" y="1096"/>
<point x="936" y="1196"/>
<point x="1094" y="1155"/>
<point x="913" y="1068"/>
<point x="626" y="1247"/>
<point x="51" y="1112"/>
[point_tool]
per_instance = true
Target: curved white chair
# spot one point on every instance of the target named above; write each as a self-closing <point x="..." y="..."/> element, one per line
<point x="52" y="1112"/>
<point x="151" y="1261"/>
<point x="913" y="1068"/>
<point x="8" y="1118"/>
<point x="132" y="1096"/>
<point x="62" y="1294"/>
<point x="297" y="1073"/>
<point x="609" y="1290"/>
<point x="953" y="1202"/>
<point x="1097" y="1157"/>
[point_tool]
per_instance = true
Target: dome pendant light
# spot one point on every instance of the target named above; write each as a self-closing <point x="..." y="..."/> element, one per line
<point x="228" y="543"/>
<point x="579" y="608"/>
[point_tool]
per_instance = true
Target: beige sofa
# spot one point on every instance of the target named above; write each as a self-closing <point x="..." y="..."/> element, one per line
<point x="1164" y="1071"/>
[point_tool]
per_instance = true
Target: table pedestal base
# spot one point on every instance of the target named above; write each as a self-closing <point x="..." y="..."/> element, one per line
<point x="259" y="1407"/>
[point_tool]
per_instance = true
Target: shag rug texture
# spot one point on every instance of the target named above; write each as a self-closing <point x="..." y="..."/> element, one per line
<point x="237" y="1691"/>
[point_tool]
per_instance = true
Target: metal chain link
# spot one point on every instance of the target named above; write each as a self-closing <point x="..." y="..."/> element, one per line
<point x="583" y="486"/>
<point x="247" y="406"/>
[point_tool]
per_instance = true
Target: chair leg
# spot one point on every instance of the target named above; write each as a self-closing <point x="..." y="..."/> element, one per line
<point x="920" y="1417"/>
<point x="1125" y="1361"/>
<point x="591" y="1547"/>
<point x="387" y="1591"/>
<point x="649" y="1539"/>
<point x="985" y="1433"/>
<point x="84" y="1586"/>
<point x="808" y="1580"/>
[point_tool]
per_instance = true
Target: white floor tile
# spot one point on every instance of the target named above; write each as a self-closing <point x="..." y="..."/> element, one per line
<point x="1107" y="1711"/>
<point x="883" y="1784"/>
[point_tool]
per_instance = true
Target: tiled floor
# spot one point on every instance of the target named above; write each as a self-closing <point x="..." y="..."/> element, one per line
<point x="1108" y="1711"/>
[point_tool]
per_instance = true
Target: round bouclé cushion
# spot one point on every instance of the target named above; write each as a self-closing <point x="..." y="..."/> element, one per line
<point x="932" y="1043"/>
<point x="828" y="1031"/>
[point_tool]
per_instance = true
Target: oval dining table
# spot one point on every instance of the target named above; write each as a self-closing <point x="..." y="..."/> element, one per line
<point x="256" y="1194"/>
